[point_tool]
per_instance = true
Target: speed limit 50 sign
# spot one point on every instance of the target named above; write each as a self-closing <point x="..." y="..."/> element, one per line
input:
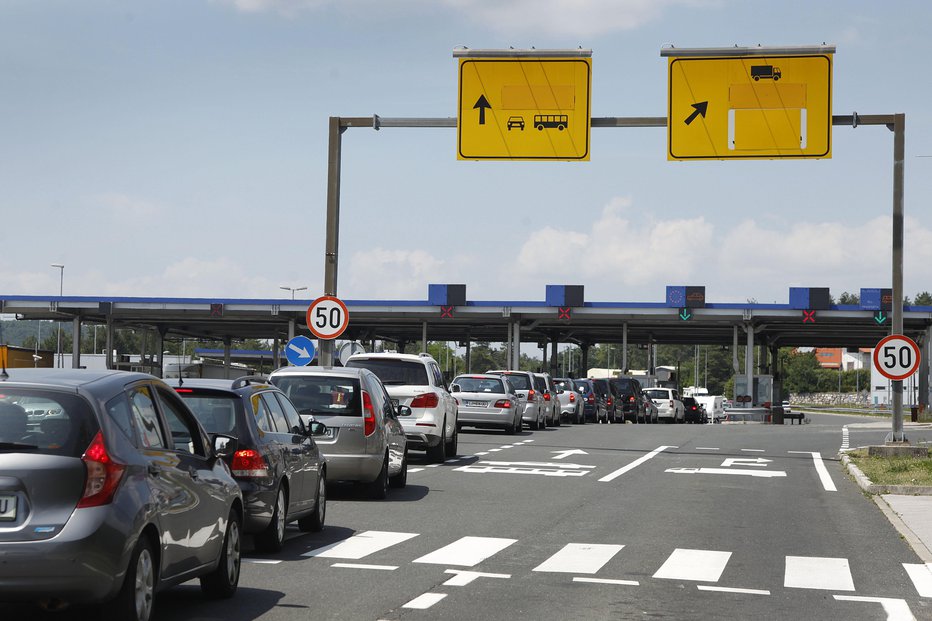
<point x="327" y="317"/>
<point x="896" y="357"/>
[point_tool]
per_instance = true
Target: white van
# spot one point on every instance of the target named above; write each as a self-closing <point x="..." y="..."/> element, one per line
<point x="714" y="406"/>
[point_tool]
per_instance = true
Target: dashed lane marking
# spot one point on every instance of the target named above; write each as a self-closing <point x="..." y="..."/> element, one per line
<point x="718" y="589"/>
<point x="425" y="601"/>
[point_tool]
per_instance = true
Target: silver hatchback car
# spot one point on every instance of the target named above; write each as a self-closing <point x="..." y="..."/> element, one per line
<point x="531" y="404"/>
<point x="486" y="401"/>
<point x="362" y="440"/>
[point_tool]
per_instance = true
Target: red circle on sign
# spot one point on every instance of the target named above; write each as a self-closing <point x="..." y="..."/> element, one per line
<point x="327" y="317"/>
<point x="896" y="357"/>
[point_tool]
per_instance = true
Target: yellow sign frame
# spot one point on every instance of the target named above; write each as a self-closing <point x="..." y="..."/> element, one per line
<point x="524" y="108"/>
<point x="758" y="106"/>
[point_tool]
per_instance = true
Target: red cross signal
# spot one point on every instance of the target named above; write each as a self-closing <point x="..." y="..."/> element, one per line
<point x="564" y="312"/>
<point x="446" y="312"/>
<point x="809" y="316"/>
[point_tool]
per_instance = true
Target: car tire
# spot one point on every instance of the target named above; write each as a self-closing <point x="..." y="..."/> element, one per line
<point x="136" y="598"/>
<point x="272" y="538"/>
<point x="438" y="454"/>
<point x="453" y="444"/>
<point x="222" y="582"/>
<point x="314" y="523"/>
<point x="378" y="489"/>
<point x="400" y="480"/>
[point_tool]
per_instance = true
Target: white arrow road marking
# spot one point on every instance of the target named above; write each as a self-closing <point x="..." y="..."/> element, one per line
<point x="758" y="462"/>
<point x="301" y="350"/>
<point x="750" y="473"/>
<point x="565" y="454"/>
<point x="896" y="609"/>
<point x="463" y="577"/>
<point x="527" y="467"/>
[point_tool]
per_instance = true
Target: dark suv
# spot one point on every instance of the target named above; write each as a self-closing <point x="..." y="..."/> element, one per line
<point x="603" y="399"/>
<point x="278" y="465"/>
<point x="111" y="491"/>
<point x="589" y="409"/>
<point x="628" y="403"/>
<point x="693" y="410"/>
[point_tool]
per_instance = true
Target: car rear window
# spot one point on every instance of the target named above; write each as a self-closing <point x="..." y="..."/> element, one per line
<point x="518" y="380"/>
<point x="322" y="394"/>
<point x="393" y="372"/>
<point x="217" y="411"/>
<point x="584" y="387"/>
<point x="657" y="394"/>
<point x="624" y="385"/>
<point x="45" y="422"/>
<point x="480" y="384"/>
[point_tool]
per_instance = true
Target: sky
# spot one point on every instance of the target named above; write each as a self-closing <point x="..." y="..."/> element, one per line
<point x="178" y="148"/>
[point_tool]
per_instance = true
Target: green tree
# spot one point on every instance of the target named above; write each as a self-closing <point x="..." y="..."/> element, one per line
<point x="849" y="298"/>
<point x="923" y="299"/>
<point x="801" y="371"/>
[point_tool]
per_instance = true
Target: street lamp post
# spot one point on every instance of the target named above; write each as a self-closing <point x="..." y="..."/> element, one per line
<point x="293" y="289"/>
<point x="61" y="290"/>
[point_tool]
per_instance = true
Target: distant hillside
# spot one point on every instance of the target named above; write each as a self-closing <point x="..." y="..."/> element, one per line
<point x="16" y="332"/>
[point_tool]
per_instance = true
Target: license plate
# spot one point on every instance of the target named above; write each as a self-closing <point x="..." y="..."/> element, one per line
<point x="328" y="433"/>
<point x="476" y="404"/>
<point x="7" y="507"/>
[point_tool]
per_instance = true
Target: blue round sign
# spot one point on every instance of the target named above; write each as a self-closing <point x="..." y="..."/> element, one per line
<point x="300" y="351"/>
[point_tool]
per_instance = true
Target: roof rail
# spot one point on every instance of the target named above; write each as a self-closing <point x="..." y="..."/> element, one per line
<point x="424" y="354"/>
<point x="248" y="380"/>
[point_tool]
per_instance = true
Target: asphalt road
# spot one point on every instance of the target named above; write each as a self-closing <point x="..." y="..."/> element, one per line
<point x="595" y="522"/>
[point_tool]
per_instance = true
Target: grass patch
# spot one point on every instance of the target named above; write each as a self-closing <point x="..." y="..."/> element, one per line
<point x="894" y="470"/>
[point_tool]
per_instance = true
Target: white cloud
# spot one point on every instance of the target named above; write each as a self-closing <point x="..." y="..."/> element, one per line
<point x="380" y="273"/>
<point x="122" y="206"/>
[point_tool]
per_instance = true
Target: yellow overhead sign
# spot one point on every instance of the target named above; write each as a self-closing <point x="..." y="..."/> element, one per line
<point x="749" y="107"/>
<point x="524" y="107"/>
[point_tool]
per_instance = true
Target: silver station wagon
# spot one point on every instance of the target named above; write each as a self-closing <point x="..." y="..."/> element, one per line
<point x="362" y="440"/>
<point x="487" y="401"/>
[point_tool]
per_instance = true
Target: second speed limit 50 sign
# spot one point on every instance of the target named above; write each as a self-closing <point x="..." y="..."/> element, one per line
<point x="896" y="357"/>
<point x="327" y="317"/>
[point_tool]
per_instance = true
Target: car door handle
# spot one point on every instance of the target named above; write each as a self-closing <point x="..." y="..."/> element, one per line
<point x="153" y="470"/>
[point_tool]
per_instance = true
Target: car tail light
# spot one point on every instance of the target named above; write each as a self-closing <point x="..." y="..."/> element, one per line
<point x="183" y="390"/>
<point x="503" y="403"/>
<point x="671" y="404"/>
<point x="426" y="400"/>
<point x="530" y="395"/>
<point x="249" y="463"/>
<point x="590" y="398"/>
<point x="572" y="398"/>
<point x="608" y="401"/>
<point x="546" y="396"/>
<point x="369" y="413"/>
<point x="103" y="474"/>
<point x="631" y="399"/>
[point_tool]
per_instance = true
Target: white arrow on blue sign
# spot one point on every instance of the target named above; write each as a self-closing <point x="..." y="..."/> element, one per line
<point x="300" y="351"/>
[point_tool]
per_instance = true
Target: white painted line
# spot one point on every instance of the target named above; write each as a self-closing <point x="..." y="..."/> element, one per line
<point x="425" y="601"/>
<point x="815" y="572"/>
<point x="452" y="461"/>
<point x="433" y="466"/>
<point x="896" y="609"/>
<point x="824" y="476"/>
<point x="494" y="450"/>
<point x="607" y="581"/>
<point x="754" y="450"/>
<point x="718" y="589"/>
<point x="482" y="453"/>
<point x="765" y="474"/>
<point x="361" y="545"/>
<point x="580" y="558"/>
<point x="413" y="470"/>
<point x="487" y="467"/>
<point x="634" y="464"/>
<point x="467" y="551"/>
<point x="541" y="464"/>
<point x="707" y="448"/>
<point x="509" y="446"/>
<point x="921" y="575"/>
<point x="699" y="565"/>
<point x="462" y="577"/>
<point x="757" y="462"/>
<point x="529" y="440"/>
<point x="364" y="566"/>
<point x="261" y="561"/>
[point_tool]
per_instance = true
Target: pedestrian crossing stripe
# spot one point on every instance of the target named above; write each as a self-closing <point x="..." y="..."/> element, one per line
<point x="692" y="565"/>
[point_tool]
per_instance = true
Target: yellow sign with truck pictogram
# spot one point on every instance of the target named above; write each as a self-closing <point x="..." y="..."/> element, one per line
<point x="523" y="105"/>
<point x="764" y="105"/>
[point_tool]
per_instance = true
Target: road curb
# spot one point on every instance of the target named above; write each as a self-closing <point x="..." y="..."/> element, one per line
<point x="871" y="488"/>
<point x="918" y="546"/>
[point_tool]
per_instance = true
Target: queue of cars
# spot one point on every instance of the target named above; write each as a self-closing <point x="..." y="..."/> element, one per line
<point x="151" y="484"/>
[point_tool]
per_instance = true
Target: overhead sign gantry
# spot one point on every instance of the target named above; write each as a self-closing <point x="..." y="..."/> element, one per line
<point x="523" y="104"/>
<point x="749" y="103"/>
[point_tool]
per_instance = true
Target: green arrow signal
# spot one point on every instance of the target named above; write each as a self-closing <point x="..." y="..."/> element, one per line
<point x="685" y="315"/>
<point x="879" y="317"/>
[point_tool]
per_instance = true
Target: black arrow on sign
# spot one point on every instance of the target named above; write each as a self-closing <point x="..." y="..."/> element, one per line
<point x="482" y="103"/>
<point x="700" y="108"/>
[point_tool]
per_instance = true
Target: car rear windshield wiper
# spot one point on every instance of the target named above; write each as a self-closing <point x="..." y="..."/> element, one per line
<point x="11" y="446"/>
<point x="394" y="382"/>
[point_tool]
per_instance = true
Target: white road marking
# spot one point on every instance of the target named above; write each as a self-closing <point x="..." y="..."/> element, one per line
<point x="707" y="448"/>
<point x="699" y="565"/>
<point x="607" y="581"/>
<point x="508" y="446"/>
<point x="634" y="464"/>
<point x="766" y="474"/>
<point x="543" y="464"/>
<point x="494" y="450"/>
<point x="425" y="601"/>
<point x="433" y="466"/>
<point x="815" y="572"/>
<point x="757" y="462"/>
<point x="754" y="450"/>
<point x="364" y="566"/>
<point x="580" y="558"/>
<point x="528" y="440"/>
<point x="845" y="438"/>
<point x="463" y="577"/>
<point x="467" y="551"/>
<point x="824" y="476"/>
<point x="896" y="609"/>
<point x="565" y="454"/>
<point x="523" y="467"/>
<point x="705" y="587"/>
<point x="361" y="545"/>
<point x="482" y="453"/>
<point x="921" y="575"/>
<point x="413" y="470"/>
<point x="261" y="561"/>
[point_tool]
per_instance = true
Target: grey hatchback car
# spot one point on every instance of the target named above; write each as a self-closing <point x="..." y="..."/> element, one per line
<point x="363" y="439"/>
<point x="110" y="491"/>
<point x="277" y="464"/>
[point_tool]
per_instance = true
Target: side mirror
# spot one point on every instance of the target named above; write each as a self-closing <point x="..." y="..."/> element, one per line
<point x="404" y="410"/>
<point x="455" y="388"/>
<point x="224" y="446"/>
<point x="317" y="428"/>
